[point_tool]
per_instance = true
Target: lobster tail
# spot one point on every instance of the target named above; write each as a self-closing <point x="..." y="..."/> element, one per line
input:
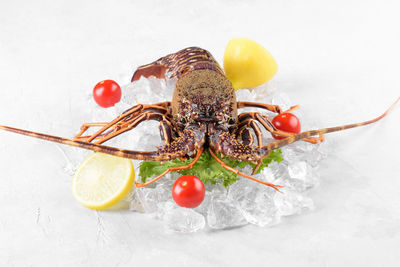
<point x="178" y="64"/>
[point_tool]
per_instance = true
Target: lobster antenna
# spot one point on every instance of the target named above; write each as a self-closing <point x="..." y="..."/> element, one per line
<point x="294" y="138"/>
<point x="139" y="155"/>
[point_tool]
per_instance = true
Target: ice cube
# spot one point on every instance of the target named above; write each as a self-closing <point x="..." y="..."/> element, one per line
<point x="264" y="92"/>
<point x="164" y="208"/>
<point x="301" y="150"/>
<point x="298" y="170"/>
<point x="184" y="220"/>
<point x="135" y="203"/>
<point x="244" y="95"/>
<point x="148" y="199"/>
<point x="278" y="170"/>
<point x="222" y="213"/>
<point x="303" y="171"/>
<point x="292" y="202"/>
<point x="282" y="100"/>
<point x="148" y="91"/>
<point x="203" y="207"/>
<point x="164" y="187"/>
<point x="255" y="202"/>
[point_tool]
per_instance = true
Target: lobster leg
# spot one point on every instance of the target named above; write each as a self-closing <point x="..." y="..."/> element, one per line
<point x="230" y="146"/>
<point x="255" y="127"/>
<point x="258" y="133"/>
<point x="128" y="115"/>
<point x="122" y="127"/>
<point x="264" y="119"/>
<point x="252" y="123"/>
<point x="86" y="126"/>
<point x="129" y="125"/>
<point x="272" y="108"/>
<point x="223" y="164"/>
<point x="246" y="136"/>
<point x="267" y="124"/>
<point x="165" y="128"/>
<point x="173" y="169"/>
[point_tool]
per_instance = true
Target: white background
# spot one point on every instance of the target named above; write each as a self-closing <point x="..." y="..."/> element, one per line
<point x="338" y="59"/>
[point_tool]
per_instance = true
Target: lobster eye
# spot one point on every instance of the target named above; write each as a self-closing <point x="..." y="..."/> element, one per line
<point x="232" y="121"/>
<point x="182" y="120"/>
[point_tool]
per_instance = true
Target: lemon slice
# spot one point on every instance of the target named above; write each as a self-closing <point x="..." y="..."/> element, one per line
<point x="102" y="180"/>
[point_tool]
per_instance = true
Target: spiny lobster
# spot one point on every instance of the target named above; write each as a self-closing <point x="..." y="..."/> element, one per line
<point x="203" y="114"/>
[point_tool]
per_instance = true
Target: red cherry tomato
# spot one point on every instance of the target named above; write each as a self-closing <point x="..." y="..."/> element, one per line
<point x="188" y="191"/>
<point x="286" y="122"/>
<point x="107" y="93"/>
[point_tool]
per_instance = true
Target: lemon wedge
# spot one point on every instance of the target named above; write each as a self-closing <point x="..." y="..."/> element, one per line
<point x="248" y="64"/>
<point x="102" y="180"/>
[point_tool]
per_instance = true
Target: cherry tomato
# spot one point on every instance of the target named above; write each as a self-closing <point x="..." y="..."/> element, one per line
<point x="107" y="93"/>
<point x="286" y="122"/>
<point x="188" y="191"/>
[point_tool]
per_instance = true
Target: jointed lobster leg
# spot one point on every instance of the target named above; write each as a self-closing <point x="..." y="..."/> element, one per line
<point x="223" y="164"/>
<point x="174" y="169"/>
<point x="267" y="124"/>
<point x="252" y="123"/>
<point x="129" y="125"/>
<point x="123" y="127"/>
<point x="165" y="128"/>
<point x="128" y="115"/>
<point x="86" y="126"/>
<point x="246" y="136"/>
<point x="291" y="109"/>
<point x="272" y="108"/>
<point x="263" y="119"/>
<point x="162" y="107"/>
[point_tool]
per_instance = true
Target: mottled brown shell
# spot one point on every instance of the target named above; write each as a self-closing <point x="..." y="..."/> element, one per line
<point x="208" y="91"/>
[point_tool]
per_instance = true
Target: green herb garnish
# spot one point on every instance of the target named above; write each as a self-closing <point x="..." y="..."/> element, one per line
<point x="206" y="168"/>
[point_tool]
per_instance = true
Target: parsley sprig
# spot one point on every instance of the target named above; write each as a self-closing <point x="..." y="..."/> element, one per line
<point x="206" y="168"/>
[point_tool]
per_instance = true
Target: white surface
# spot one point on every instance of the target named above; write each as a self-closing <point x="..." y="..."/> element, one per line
<point x="338" y="59"/>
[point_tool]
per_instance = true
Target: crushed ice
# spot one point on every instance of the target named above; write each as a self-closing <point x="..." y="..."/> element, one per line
<point x="245" y="202"/>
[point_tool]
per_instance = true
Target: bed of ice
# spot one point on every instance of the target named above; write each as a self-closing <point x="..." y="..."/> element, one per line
<point x="246" y="201"/>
